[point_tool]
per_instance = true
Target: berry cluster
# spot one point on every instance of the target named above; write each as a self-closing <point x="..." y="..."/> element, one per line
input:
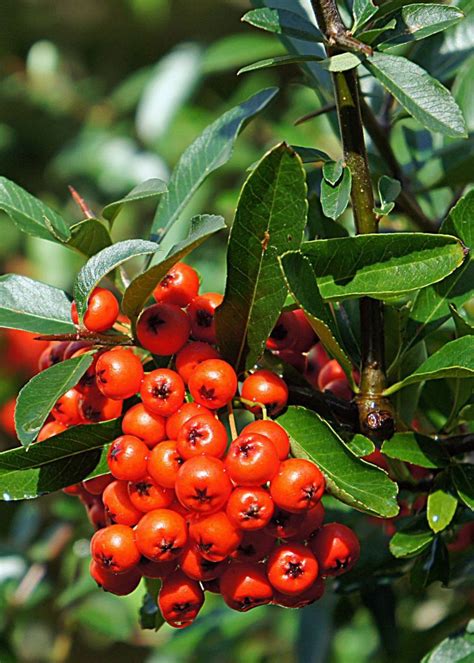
<point x="182" y="502"/>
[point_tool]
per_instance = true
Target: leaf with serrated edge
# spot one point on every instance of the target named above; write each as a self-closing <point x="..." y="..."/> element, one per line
<point x="353" y="481"/>
<point x="37" y="398"/>
<point x="440" y="510"/>
<point x="381" y="265"/>
<point x="284" y="22"/>
<point x="201" y="228"/>
<point x="454" y="360"/>
<point x="104" y="262"/>
<point x="463" y="479"/>
<point x="213" y="148"/>
<point x="34" y="306"/>
<point x="55" y="463"/>
<point x="147" y="190"/>
<point x="270" y="219"/>
<point x="417" y="449"/>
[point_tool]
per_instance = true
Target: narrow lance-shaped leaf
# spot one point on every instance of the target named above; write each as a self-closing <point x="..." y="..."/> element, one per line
<point x="34" y="306"/>
<point x="440" y="510"/>
<point x="211" y="149"/>
<point x="301" y="281"/>
<point x="381" y="265"/>
<point x="201" y="228"/>
<point x="353" y="481"/>
<point x="31" y="215"/>
<point x="55" y="463"/>
<point x="104" y="262"/>
<point x="453" y="360"/>
<point x="283" y="22"/>
<point x="37" y="398"/>
<point x="270" y="219"/>
<point x="147" y="190"/>
<point x="278" y="61"/>
<point x="425" y="98"/>
<point x="417" y="449"/>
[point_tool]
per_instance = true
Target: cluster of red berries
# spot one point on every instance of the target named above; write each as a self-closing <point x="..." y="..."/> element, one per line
<point x="180" y="503"/>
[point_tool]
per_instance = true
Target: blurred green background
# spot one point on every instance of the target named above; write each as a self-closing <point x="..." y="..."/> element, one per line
<point x="103" y="95"/>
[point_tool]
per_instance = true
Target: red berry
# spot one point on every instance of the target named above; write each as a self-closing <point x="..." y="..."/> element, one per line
<point x="250" y="508"/>
<point x="266" y="388"/>
<point x="213" y="383"/>
<point x="67" y="409"/>
<point x="332" y="370"/>
<point x="245" y="586"/>
<point x="202" y="484"/>
<point x="213" y="536"/>
<point x="118" y="507"/>
<point x="203" y="434"/>
<point x="201" y="312"/>
<point x="149" y="427"/>
<point x="114" y="549"/>
<point x="178" y="287"/>
<point x="119" y="584"/>
<point x="336" y="548"/>
<point x="147" y="495"/>
<point x="119" y="373"/>
<point x="181" y="416"/>
<point x="195" y="566"/>
<point x="180" y="599"/>
<point x="163" y="329"/>
<point x="51" y="429"/>
<point x="162" y="391"/>
<point x="298" y="486"/>
<point x="164" y="463"/>
<point x="192" y="355"/>
<point x="101" y="313"/>
<point x="292" y="568"/>
<point x="161" y="535"/>
<point x="310" y="595"/>
<point x="252" y="460"/>
<point x="274" y="432"/>
<point x="283" y="335"/>
<point x="254" y="546"/>
<point x="127" y="458"/>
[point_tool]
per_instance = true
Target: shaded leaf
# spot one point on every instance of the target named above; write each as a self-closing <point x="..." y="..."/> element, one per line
<point x="310" y="154"/>
<point x="147" y="190"/>
<point x="335" y="198"/>
<point x="353" y="481"/>
<point x="417" y="449"/>
<point x="150" y="615"/>
<point x="362" y="11"/>
<point x="89" y="237"/>
<point x="432" y="566"/>
<point x="333" y="171"/>
<point x="388" y="190"/>
<point x="441" y="508"/>
<point x="456" y="648"/>
<point x="284" y="22"/>
<point x="278" y="61"/>
<point x="410" y="542"/>
<point x="463" y="479"/>
<point x="270" y="219"/>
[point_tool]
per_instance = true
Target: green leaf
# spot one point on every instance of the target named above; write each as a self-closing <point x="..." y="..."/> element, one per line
<point x="419" y="21"/>
<point x="463" y="479"/>
<point x="270" y="219"/>
<point x="201" y="228"/>
<point x="283" y="22"/>
<point x="422" y="96"/>
<point x="410" y="542"/>
<point x="34" y="306"/>
<point x="459" y="221"/>
<point x="147" y="190"/>
<point x="342" y="62"/>
<point x="456" y="648"/>
<point x="104" y="262"/>
<point x="417" y="449"/>
<point x="433" y="565"/>
<point x="381" y="266"/>
<point x="30" y="215"/>
<point x="278" y="61"/>
<point x="89" y="237"/>
<point x="60" y="461"/>
<point x="353" y="481"/>
<point x="335" y="198"/>
<point x="301" y="281"/>
<point x="150" y="615"/>
<point x="333" y="172"/>
<point x="361" y="446"/>
<point x="389" y="190"/>
<point x="369" y="36"/>
<point x="311" y="154"/>
<point x="362" y="11"/>
<point x="454" y="360"/>
<point x="211" y="149"/>
<point x="440" y="509"/>
<point x="37" y="398"/>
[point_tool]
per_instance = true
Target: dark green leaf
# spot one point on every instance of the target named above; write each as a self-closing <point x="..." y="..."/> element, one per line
<point x="421" y="95"/>
<point x="147" y="190"/>
<point x="410" y="542"/>
<point x="362" y="11"/>
<point x="459" y="221"/>
<point x="463" y="479"/>
<point x="361" y="446"/>
<point x="333" y="171"/>
<point x="270" y="219"/>
<point x="453" y="360"/>
<point x="34" y="306"/>
<point x="440" y="510"/>
<point x="369" y="36"/>
<point x="381" y="266"/>
<point x="37" y="398"/>
<point x="388" y="189"/>
<point x="463" y="327"/>
<point x="104" y="262"/>
<point x="278" y="61"/>
<point x="353" y="481"/>
<point x="433" y="565"/>
<point x="311" y="154"/>
<point x="30" y="215"/>
<point x="55" y="463"/>
<point x="334" y="199"/>
<point x="456" y="648"/>
<point x="301" y="282"/>
<point x="89" y="237"/>
<point x="201" y="228"/>
<point x="211" y="149"/>
<point x="283" y="22"/>
<point x="417" y="449"/>
<point x="150" y="615"/>
<point x="419" y="21"/>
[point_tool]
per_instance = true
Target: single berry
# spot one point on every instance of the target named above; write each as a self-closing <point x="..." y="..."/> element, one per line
<point x="244" y="585"/>
<point x="201" y="312"/>
<point x="114" y="548"/>
<point x="298" y="486"/>
<point x="202" y="484"/>
<point x="274" y="432"/>
<point x="265" y="388"/>
<point x="119" y="373"/>
<point x="213" y="383"/>
<point x="149" y="427"/>
<point x="101" y="313"/>
<point x="292" y="568"/>
<point x="250" y="508"/>
<point x="252" y="460"/>
<point x="163" y="329"/>
<point x="191" y="355"/>
<point x="202" y="434"/>
<point x="178" y="287"/>
<point x="127" y="458"/>
<point x="214" y="537"/>
<point x="161" y="535"/>
<point x="180" y="599"/>
<point x="162" y="391"/>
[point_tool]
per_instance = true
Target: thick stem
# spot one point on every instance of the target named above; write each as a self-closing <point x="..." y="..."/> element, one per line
<point x="375" y="413"/>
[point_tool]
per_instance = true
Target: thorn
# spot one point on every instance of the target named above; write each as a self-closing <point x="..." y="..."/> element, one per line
<point x="89" y="214"/>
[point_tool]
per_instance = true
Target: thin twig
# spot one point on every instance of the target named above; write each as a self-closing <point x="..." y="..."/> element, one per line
<point x="89" y="214"/>
<point x="310" y="116"/>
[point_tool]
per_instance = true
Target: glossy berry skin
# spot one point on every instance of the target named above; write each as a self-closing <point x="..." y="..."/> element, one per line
<point x="266" y="388"/>
<point x="196" y="567"/>
<point x="119" y="374"/>
<point x="336" y="548"/>
<point x="274" y="432"/>
<point x="119" y="584"/>
<point x="245" y="586"/>
<point x="201" y="313"/>
<point x="340" y="388"/>
<point x="213" y="383"/>
<point x="298" y="486"/>
<point x="51" y="429"/>
<point x="148" y="427"/>
<point x="118" y="507"/>
<point x="305" y="337"/>
<point x="95" y="407"/>
<point x="178" y="287"/>
<point x="250" y="508"/>
<point x="88" y="380"/>
<point x="283" y="335"/>
<point x="163" y="329"/>
<point x="329" y="372"/>
<point x="180" y="599"/>
<point x="127" y="458"/>
<point x="254" y="546"/>
<point x="147" y="495"/>
<point x="202" y="484"/>
<point x="310" y="595"/>
<point x="101" y="313"/>
<point x="67" y="408"/>
<point x="161" y="535"/>
<point x="252" y="460"/>
<point x="203" y="434"/>
<point x="97" y="485"/>
<point x="181" y="416"/>
<point x="213" y="536"/>
<point x="114" y="549"/>
<point x="283" y="524"/>
<point x="316" y="358"/>
<point x="309" y="523"/>
<point x="164" y="463"/>
<point x="162" y="392"/>
<point x="192" y="355"/>
<point x="150" y="569"/>
<point x="292" y="568"/>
